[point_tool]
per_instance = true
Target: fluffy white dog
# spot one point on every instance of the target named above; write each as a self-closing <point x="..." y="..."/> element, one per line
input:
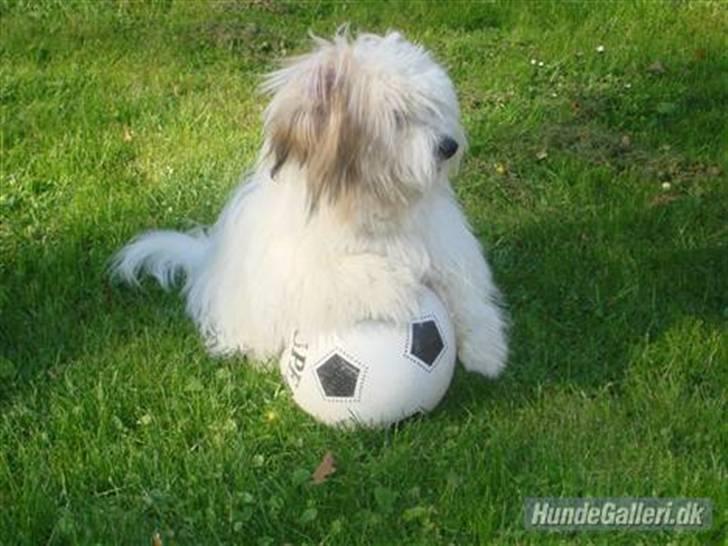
<point x="348" y="214"/>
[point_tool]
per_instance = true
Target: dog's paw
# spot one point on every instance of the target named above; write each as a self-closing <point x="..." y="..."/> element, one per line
<point x="484" y="352"/>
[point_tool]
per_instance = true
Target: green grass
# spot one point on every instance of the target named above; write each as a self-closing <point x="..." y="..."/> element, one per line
<point x="597" y="182"/>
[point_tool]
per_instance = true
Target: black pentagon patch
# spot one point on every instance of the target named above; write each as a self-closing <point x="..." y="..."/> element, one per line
<point x="338" y="377"/>
<point x="426" y="342"/>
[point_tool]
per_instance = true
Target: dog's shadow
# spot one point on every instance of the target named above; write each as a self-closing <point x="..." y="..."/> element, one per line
<point x="61" y="305"/>
<point x="583" y="296"/>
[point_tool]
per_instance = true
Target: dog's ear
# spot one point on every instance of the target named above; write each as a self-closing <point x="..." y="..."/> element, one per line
<point x="310" y="121"/>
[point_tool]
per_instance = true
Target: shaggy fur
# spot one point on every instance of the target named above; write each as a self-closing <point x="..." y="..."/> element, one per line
<point x="348" y="214"/>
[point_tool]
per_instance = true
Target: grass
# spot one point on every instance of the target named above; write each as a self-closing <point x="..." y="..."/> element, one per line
<point x="597" y="181"/>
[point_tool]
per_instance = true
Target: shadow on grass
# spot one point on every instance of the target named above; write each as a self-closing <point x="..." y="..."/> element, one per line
<point x="60" y="304"/>
<point x="583" y="295"/>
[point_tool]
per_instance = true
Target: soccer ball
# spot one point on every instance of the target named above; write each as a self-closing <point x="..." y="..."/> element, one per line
<point x="375" y="373"/>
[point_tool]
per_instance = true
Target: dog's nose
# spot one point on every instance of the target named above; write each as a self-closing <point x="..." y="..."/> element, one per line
<point x="447" y="147"/>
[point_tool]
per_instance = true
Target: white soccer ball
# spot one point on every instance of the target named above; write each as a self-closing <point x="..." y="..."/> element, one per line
<point x="375" y="373"/>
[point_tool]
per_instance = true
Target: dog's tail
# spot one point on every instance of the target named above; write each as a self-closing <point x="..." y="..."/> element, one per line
<point x="165" y="255"/>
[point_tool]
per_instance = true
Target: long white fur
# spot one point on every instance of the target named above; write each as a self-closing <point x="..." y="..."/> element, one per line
<point x="269" y="265"/>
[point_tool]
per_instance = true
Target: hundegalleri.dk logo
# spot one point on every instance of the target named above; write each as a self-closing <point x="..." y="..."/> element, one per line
<point x="639" y="514"/>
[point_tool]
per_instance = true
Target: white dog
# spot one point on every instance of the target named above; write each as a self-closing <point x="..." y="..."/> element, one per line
<point x="348" y="214"/>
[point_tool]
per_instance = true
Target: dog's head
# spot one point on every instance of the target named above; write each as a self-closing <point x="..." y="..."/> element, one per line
<point x="372" y="121"/>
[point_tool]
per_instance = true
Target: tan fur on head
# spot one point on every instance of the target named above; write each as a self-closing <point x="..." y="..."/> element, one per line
<point x="315" y="119"/>
<point x="321" y="134"/>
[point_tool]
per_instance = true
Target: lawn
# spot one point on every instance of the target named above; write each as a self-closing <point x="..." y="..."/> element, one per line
<point x="596" y="179"/>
